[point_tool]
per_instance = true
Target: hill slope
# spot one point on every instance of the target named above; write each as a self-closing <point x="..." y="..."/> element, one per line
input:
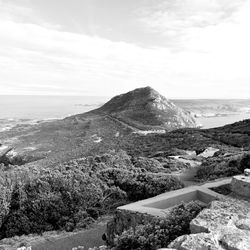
<point x="145" y="108"/>
<point x="114" y="126"/>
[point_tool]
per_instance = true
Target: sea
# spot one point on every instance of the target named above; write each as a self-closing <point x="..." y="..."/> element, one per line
<point x="32" y="109"/>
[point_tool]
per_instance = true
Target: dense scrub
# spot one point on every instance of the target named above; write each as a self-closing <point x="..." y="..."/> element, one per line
<point x="139" y="185"/>
<point x="185" y="139"/>
<point x="236" y="134"/>
<point x="223" y="167"/>
<point x="232" y="136"/>
<point x="161" y="231"/>
<point x="74" y="194"/>
<point x="51" y="196"/>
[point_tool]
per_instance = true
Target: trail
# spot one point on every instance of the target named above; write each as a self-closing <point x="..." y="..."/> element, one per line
<point x="88" y="238"/>
<point x="134" y="129"/>
<point x="124" y="124"/>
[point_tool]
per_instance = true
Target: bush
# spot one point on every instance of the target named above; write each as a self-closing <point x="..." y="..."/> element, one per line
<point x="73" y="194"/>
<point x="139" y="184"/>
<point x="17" y="223"/>
<point x="148" y="164"/>
<point x="218" y="168"/>
<point x="160" y="232"/>
<point x="50" y="201"/>
<point x="245" y="162"/>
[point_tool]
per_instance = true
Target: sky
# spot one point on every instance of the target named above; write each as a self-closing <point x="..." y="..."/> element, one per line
<point x="181" y="48"/>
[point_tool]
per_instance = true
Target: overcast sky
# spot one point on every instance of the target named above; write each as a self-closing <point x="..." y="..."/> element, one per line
<point x="182" y="48"/>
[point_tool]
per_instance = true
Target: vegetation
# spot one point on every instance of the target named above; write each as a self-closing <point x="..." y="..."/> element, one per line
<point x="139" y="184"/>
<point x="221" y="167"/>
<point x="161" y="231"/>
<point x="74" y="194"/>
<point x="58" y="193"/>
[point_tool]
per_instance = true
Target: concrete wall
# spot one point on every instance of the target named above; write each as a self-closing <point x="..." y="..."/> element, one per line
<point x="144" y="211"/>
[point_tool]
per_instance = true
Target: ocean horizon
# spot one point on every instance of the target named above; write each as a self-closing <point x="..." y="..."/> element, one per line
<point x="31" y="109"/>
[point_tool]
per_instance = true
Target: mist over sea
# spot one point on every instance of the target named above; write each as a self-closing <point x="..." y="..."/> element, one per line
<point x="31" y="109"/>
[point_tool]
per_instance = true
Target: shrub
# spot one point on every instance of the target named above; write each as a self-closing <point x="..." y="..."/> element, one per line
<point x="73" y="194"/>
<point x="139" y="184"/>
<point x="148" y="164"/>
<point x="245" y="162"/>
<point x="218" y="168"/>
<point x="50" y="201"/>
<point x="17" y="223"/>
<point x="160" y="232"/>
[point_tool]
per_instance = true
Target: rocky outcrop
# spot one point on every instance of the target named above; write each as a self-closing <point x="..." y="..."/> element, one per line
<point x="209" y="220"/>
<point x="224" y="226"/>
<point x="247" y="172"/>
<point x="235" y="206"/>
<point x="208" y="152"/>
<point x="226" y="238"/>
<point x="145" y="108"/>
<point x="231" y="237"/>
<point x="221" y="213"/>
<point x="200" y="241"/>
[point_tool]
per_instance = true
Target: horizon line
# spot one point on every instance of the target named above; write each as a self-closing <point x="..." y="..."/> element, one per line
<point x="104" y="96"/>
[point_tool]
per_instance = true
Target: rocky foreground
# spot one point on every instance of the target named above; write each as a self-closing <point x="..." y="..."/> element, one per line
<point x="225" y="225"/>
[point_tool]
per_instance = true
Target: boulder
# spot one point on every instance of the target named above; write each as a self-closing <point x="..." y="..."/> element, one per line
<point x="225" y="237"/>
<point x="208" y="152"/>
<point x="202" y="241"/>
<point x="240" y="207"/>
<point x="208" y="220"/>
<point x="247" y="172"/>
<point x="233" y="238"/>
<point x="243" y="224"/>
<point x="226" y="225"/>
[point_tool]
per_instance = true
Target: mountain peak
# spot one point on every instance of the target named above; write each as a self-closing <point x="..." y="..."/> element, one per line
<point x="144" y="90"/>
<point x="145" y="108"/>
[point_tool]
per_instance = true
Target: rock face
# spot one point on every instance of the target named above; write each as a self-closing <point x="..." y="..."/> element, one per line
<point x="232" y="237"/>
<point x="225" y="226"/>
<point x="209" y="220"/>
<point x="200" y="241"/>
<point x="144" y="108"/>
<point x="221" y="213"/>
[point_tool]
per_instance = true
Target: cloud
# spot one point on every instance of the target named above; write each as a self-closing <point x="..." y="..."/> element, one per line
<point x="174" y="18"/>
<point x="40" y="58"/>
<point x="31" y="54"/>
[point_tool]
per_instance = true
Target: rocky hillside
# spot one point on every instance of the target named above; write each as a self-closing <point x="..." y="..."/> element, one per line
<point x="145" y="108"/>
<point x="116" y="126"/>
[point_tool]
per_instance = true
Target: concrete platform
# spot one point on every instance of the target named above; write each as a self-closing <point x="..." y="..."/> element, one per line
<point x="160" y="204"/>
<point x="241" y="185"/>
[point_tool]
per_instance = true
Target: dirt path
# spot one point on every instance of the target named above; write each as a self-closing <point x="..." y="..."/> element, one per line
<point x="134" y="129"/>
<point x="187" y="176"/>
<point x="88" y="238"/>
<point x="123" y="124"/>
